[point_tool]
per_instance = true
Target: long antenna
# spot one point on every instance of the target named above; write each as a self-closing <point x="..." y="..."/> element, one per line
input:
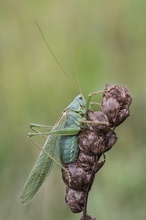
<point x="78" y="88"/>
<point x="75" y="69"/>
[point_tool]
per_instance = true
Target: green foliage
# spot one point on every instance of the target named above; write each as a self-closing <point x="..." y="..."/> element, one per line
<point x="108" y="38"/>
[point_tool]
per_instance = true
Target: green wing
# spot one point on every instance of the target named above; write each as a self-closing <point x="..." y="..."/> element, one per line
<point x="43" y="166"/>
<point x="41" y="170"/>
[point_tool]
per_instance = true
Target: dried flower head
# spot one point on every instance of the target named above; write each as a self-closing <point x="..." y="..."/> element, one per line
<point x="93" y="141"/>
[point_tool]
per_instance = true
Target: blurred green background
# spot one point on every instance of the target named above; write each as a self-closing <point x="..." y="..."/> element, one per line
<point x="108" y="38"/>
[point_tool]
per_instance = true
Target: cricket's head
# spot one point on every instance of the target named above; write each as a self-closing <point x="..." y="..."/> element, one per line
<point x="81" y="100"/>
<point x="78" y="104"/>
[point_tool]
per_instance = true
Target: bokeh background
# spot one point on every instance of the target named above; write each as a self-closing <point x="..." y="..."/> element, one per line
<point x="108" y="40"/>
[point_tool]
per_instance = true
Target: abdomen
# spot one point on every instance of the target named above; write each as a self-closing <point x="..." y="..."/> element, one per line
<point x="68" y="148"/>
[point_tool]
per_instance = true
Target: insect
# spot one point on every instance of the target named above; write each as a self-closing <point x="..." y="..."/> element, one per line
<point x="60" y="143"/>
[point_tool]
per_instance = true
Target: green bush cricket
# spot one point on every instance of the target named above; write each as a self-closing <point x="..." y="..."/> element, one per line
<point x="60" y="143"/>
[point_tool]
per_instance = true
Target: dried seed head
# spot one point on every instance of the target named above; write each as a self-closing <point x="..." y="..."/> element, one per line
<point x="77" y="179"/>
<point x="75" y="200"/>
<point x="93" y="142"/>
<point x="100" y="121"/>
<point x="111" y="108"/>
<point x="86" y="161"/>
<point x="89" y="141"/>
<point x="115" y="104"/>
<point x="120" y="93"/>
